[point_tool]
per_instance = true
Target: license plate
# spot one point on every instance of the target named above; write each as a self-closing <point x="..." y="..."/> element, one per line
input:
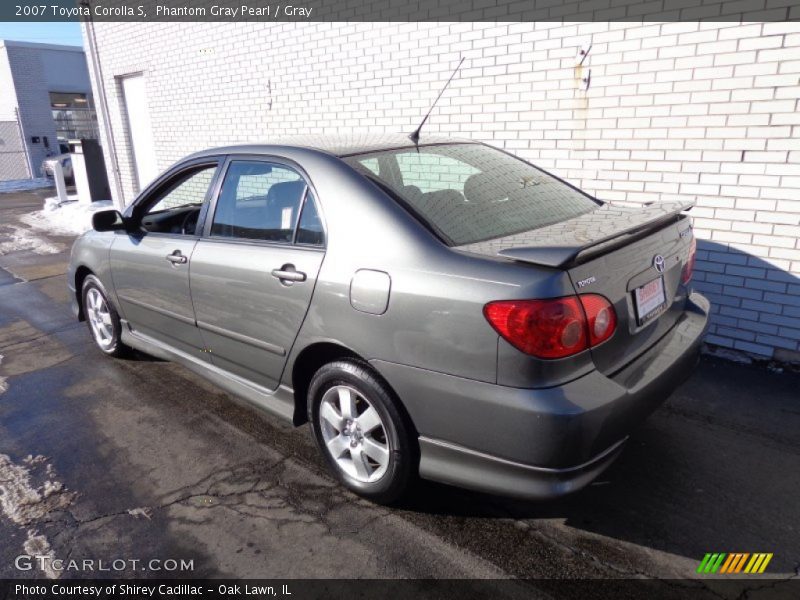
<point x="650" y="300"/>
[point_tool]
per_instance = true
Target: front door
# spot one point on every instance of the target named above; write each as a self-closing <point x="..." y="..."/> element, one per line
<point x="150" y="265"/>
<point x="254" y="272"/>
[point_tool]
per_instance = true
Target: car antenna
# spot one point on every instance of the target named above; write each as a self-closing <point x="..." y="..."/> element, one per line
<point x="414" y="137"/>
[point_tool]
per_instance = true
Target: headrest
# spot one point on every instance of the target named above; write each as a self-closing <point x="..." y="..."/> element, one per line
<point x="285" y="193"/>
<point x="443" y="197"/>
<point x="480" y="187"/>
<point x="412" y="191"/>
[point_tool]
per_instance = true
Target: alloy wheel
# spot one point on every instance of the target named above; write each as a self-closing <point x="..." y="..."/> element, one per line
<point x="354" y="433"/>
<point x="99" y="317"/>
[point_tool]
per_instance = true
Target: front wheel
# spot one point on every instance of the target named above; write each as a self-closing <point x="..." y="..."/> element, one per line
<point x="360" y="431"/>
<point x="102" y="318"/>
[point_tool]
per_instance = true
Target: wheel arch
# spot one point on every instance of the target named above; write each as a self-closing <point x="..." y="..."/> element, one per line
<point x="81" y="273"/>
<point x="314" y="356"/>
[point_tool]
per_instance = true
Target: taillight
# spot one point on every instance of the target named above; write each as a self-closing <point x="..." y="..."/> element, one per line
<point x="553" y="328"/>
<point x="688" y="268"/>
<point x="601" y="318"/>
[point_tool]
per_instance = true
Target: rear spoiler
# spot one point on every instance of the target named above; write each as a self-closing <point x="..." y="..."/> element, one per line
<point x="582" y="238"/>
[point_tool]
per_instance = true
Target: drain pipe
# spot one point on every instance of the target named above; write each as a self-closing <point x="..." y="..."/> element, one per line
<point x="119" y="201"/>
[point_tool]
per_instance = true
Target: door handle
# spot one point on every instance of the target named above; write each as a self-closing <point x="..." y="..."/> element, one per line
<point x="288" y="273"/>
<point x="176" y="258"/>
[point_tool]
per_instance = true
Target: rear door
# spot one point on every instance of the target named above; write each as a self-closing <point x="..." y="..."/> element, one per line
<point x="150" y="266"/>
<point x="254" y="271"/>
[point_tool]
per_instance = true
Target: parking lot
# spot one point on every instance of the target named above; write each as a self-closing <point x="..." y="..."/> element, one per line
<point x="140" y="459"/>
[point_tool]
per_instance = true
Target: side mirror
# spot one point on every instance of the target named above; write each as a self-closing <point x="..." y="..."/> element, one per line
<point x="108" y="220"/>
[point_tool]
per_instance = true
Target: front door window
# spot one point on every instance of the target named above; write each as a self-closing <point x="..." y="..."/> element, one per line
<point x="176" y="207"/>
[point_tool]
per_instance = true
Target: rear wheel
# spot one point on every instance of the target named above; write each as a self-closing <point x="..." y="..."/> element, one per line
<point x="360" y="431"/>
<point x="102" y="318"/>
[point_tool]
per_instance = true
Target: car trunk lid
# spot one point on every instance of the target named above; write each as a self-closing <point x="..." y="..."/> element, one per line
<point x="615" y="251"/>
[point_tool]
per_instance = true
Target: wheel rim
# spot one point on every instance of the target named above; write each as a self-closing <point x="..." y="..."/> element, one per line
<point x="354" y="434"/>
<point x="99" y="317"/>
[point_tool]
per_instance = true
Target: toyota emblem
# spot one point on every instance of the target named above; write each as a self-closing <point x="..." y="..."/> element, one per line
<point x="659" y="263"/>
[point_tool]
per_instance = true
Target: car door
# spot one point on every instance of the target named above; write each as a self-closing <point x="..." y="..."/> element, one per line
<point x="150" y="263"/>
<point x="254" y="270"/>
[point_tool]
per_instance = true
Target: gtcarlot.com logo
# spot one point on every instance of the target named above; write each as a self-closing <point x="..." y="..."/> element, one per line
<point x="735" y="563"/>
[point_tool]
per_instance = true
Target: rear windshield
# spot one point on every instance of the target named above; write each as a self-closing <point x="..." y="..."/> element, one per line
<point x="469" y="192"/>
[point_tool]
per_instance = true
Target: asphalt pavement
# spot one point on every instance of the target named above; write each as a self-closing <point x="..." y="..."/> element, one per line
<point x="140" y="459"/>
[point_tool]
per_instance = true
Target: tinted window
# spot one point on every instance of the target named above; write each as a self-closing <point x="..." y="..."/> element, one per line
<point x="258" y="201"/>
<point x="190" y="187"/>
<point x="176" y="207"/>
<point x="309" y="231"/>
<point x="471" y="192"/>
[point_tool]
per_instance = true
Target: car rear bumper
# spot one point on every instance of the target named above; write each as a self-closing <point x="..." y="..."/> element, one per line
<point x="541" y="443"/>
<point x="449" y="463"/>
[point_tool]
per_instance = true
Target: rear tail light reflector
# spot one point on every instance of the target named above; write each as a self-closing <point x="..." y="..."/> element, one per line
<point x="688" y="268"/>
<point x="553" y="328"/>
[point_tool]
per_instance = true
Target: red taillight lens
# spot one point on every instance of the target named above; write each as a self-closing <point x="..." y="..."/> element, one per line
<point x="545" y="328"/>
<point x="553" y="328"/>
<point x="688" y="268"/>
<point x="600" y="316"/>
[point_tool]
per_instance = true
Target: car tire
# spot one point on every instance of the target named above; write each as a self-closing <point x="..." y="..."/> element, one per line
<point x="102" y="318"/>
<point x="360" y="431"/>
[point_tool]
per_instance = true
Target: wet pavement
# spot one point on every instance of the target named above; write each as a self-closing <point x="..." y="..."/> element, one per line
<point x="140" y="459"/>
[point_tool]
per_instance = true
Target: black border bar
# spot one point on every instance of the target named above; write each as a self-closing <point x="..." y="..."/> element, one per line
<point x="765" y="588"/>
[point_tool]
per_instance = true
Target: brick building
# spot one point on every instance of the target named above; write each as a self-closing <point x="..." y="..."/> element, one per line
<point x="697" y="111"/>
<point x="45" y="99"/>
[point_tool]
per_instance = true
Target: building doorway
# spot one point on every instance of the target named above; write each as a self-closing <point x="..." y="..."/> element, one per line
<point x="140" y="131"/>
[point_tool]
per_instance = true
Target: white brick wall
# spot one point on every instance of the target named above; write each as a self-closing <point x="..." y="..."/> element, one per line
<point x="701" y="111"/>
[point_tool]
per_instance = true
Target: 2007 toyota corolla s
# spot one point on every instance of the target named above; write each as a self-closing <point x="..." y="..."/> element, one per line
<point x="442" y="308"/>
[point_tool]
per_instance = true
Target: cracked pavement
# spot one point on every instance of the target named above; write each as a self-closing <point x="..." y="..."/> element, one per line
<point x="158" y="463"/>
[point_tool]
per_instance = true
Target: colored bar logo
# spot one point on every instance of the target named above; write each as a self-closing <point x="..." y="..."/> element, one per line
<point x="736" y="562"/>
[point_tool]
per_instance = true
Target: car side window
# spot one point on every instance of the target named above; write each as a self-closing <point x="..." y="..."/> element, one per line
<point x="176" y="207"/>
<point x="309" y="230"/>
<point x="258" y="201"/>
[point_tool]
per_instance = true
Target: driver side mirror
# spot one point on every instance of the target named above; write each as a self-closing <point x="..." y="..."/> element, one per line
<point x="108" y="220"/>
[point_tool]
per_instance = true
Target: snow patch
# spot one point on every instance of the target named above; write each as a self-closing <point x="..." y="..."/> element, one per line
<point x="67" y="218"/>
<point x="23" y="238"/>
<point x="3" y="382"/>
<point x="34" y="460"/>
<point x="20" y="501"/>
<point x="37" y="547"/>
<point x="20" y="185"/>
<point x="140" y="512"/>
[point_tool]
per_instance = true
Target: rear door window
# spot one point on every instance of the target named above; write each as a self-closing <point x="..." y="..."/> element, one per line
<point x="471" y="192"/>
<point x="309" y="230"/>
<point x="258" y="201"/>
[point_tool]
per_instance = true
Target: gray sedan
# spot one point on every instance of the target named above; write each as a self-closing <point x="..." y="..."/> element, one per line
<point x="440" y="309"/>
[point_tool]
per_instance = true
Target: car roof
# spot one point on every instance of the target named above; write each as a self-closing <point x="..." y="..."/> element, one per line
<point x="335" y="145"/>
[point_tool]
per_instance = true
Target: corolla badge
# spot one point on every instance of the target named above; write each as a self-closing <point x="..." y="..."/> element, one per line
<point x="659" y="263"/>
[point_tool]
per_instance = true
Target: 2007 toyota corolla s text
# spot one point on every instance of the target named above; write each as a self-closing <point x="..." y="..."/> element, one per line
<point x="441" y="309"/>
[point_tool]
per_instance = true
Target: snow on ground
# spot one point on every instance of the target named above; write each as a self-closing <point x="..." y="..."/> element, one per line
<point x="22" y="238"/>
<point x="20" y="501"/>
<point x="20" y="185"/>
<point x="69" y="218"/>
<point x="38" y="548"/>
<point x="25" y="505"/>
